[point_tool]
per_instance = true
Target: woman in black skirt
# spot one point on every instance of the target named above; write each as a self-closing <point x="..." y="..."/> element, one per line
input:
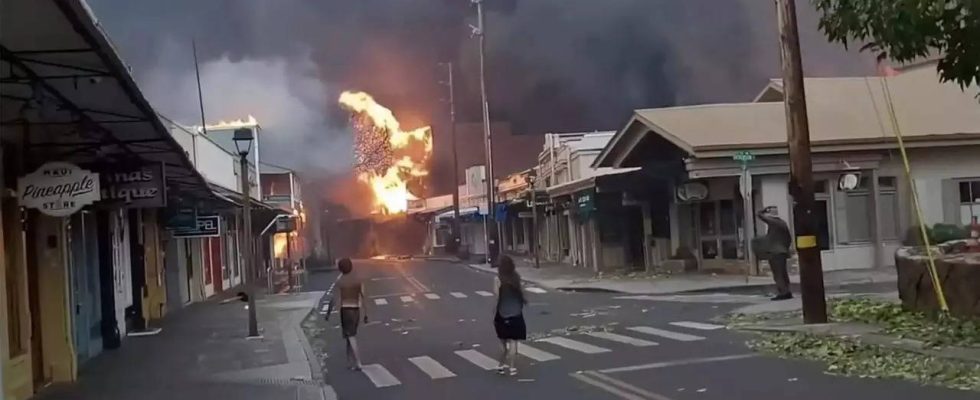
<point x="508" y="320"/>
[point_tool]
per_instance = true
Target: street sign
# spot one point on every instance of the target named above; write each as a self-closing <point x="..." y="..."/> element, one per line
<point x="743" y="156"/>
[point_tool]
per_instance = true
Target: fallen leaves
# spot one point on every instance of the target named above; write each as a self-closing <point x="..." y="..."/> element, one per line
<point x="852" y="358"/>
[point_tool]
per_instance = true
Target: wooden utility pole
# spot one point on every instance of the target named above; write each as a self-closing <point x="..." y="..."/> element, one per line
<point x="801" y="167"/>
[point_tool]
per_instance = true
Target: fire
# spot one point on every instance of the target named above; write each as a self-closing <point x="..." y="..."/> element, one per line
<point x="384" y="156"/>
<point x="279" y="245"/>
<point x="249" y="122"/>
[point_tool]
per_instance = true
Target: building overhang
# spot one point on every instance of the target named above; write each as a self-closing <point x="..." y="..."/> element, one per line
<point x="67" y="91"/>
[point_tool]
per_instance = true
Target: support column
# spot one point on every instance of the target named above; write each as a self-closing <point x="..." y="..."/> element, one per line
<point x="647" y="237"/>
<point x="876" y="220"/>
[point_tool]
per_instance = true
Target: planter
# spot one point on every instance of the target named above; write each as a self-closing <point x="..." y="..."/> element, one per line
<point x="959" y="273"/>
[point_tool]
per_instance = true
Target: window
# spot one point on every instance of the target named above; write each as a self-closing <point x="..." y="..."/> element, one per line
<point x="888" y="207"/>
<point x="853" y="213"/>
<point x="970" y="192"/>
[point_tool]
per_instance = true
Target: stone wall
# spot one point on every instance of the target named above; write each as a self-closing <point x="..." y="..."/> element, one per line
<point x="959" y="273"/>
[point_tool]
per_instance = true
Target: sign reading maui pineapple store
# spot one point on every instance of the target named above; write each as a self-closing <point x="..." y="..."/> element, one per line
<point x="134" y="187"/>
<point x="58" y="189"/>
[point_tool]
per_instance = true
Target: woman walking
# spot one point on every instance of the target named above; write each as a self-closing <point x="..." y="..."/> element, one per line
<point x="509" y="318"/>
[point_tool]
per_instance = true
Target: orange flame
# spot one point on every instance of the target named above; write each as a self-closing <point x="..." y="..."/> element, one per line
<point x="279" y="245"/>
<point x="390" y="189"/>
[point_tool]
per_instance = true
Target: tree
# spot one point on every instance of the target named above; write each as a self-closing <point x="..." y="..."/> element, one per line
<point x="907" y="30"/>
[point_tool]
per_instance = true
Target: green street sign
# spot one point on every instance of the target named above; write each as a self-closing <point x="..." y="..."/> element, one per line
<point x="743" y="156"/>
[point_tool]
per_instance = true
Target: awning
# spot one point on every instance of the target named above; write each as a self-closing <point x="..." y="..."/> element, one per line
<point x="75" y="100"/>
<point x="577" y="185"/>
<point x="463" y="213"/>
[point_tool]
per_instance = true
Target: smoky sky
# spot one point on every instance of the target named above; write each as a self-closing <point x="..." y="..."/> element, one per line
<point x="552" y="65"/>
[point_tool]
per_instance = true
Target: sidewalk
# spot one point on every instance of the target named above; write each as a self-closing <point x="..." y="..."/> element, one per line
<point x="567" y="277"/>
<point x="202" y="354"/>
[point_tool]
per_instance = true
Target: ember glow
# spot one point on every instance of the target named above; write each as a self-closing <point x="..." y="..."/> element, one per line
<point x="385" y="156"/>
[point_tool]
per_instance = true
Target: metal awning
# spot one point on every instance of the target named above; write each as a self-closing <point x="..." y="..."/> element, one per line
<point x="65" y="89"/>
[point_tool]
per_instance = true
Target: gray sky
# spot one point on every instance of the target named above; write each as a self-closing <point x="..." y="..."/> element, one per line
<point x="553" y="65"/>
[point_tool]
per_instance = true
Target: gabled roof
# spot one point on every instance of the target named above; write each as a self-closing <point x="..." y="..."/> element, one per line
<point x="842" y="112"/>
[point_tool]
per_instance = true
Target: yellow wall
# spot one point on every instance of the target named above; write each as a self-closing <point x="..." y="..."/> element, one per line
<point x="17" y="379"/>
<point x="155" y="297"/>
<point x="56" y="329"/>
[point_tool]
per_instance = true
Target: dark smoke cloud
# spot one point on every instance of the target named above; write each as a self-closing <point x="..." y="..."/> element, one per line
<point x="553" y="65"/>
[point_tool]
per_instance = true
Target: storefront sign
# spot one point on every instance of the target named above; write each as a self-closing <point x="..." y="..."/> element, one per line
<point x="139" y="187"/>
<point x="207" y="226"/>
<point x="585" y="202"/>
<point x="180" y="218"/>
<point x="58" y="189"/>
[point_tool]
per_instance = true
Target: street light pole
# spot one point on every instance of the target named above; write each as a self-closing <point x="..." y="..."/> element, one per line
<point x="452" y="134"/>
<point x="243" y="138"/>
<point x="800" y="167"/>
<point x="489" y="220"/>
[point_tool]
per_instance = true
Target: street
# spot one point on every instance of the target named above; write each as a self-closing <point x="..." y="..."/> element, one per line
<point x="430" y="336"/>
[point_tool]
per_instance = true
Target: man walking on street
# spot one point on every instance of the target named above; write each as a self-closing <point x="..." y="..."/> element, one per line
<point x="776" y="245"/>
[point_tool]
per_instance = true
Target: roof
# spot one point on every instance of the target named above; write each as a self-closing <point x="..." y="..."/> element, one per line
<point x="842" y="111"/>
<point x="62" y="74"/>
<point x="587" y="182"/>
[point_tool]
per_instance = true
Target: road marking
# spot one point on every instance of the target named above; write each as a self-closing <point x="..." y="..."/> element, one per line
<point x="407" y="299"/>
<point x="675" y="363"/>
<point x="536" y="290"/>
<point x="484" y="293"/>
<point x="535" y="354"/>
<point x="683" y="337"/>
<point x="574" y="345"/>
<point x="418" y="285"/>
<point x="432" y="296"/>
<point x="380" y="302"/>
<point x="431" y="367"/>
<point x="478" y="359"/>
<point x="380" y="376"/>
<point x="607" y="387"/>
<point x="384" y="278"/>
<point x="626" y="387"/>
<point x="622" y="339"/>
<point x="697" y="325"/>
<point x="458" y="295"/>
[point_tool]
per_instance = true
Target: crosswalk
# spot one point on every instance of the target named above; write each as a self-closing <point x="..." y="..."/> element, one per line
<point x="413" y="298"/>
<point x="542" y="350"/>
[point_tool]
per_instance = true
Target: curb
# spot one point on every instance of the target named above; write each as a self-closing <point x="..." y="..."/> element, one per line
<point x="317" y="372"/>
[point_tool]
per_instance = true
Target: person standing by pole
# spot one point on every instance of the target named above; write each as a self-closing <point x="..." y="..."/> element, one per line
<point x="776" y="245"/>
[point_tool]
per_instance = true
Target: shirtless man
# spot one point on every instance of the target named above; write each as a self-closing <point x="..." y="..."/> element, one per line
<point x="350" y="295"/>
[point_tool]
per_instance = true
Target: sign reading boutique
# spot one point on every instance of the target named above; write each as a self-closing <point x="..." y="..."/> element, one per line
<point x="58" y="189"/>
<point x="135" y="187"/>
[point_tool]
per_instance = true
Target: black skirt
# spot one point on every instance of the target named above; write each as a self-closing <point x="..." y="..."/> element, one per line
<point x="510" y="328"/>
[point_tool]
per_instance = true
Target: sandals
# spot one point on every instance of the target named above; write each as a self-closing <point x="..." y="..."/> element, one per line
<point x="505" y="370"/>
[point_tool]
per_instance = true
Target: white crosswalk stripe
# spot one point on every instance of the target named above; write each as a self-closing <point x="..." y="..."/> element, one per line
<point x="536" y="290"/>
<point x="431" y="367"/>
<point x="574" y="345"/>
<point x="697" y="325"/>
<point x="458" y="295"/>
<point x="622" y="339"/>
<point x="683" y="337"/>
<point x="535" y="354"/>
<point x="380" y="376"/>
<point x="432" y="296"/>
<point x="478" y="359"/>
<point x="484" y="293"/>
<point x="407" y="299"/>
<point x="381" y="302"/>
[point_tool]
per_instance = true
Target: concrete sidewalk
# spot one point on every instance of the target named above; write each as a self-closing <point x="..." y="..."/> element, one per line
<point x="567" y="277"/>
<point x="202" y="354"/>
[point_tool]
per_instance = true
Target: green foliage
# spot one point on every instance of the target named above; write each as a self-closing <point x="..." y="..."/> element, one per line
<point x="851" y="358"/>
<point x="907" y="30"/>
<point x="949" y="331"/>
<point x="938" y="233"/>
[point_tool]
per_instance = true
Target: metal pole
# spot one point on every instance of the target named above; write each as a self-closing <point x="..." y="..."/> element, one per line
<point x="534" y="224"/>
<point x="253" y="325"/>
<point x="489" y="220"/>
<point x="801" y="167"/>
<point x="452" y="134"/>
<point x="289" y="261"/>
<point x="200" y="100"/>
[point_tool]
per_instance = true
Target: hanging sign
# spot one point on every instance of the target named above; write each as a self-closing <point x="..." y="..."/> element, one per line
<point x="58" y="189"/>
<point x="207" y="226"/>
<point x="139" y="187"/>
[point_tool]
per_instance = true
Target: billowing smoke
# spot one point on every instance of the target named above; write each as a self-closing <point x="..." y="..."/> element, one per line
<point x="553" y="65"/>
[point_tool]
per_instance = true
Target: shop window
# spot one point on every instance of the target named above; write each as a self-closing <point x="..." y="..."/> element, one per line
<point x="969" y="200"/>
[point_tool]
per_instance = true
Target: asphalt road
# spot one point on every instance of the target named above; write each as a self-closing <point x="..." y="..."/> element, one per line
<point x="431" y="325"/>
